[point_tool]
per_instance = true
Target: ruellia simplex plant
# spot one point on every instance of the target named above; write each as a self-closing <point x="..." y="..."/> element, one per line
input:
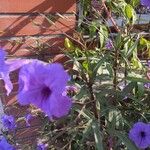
<point x="102" y="101"/>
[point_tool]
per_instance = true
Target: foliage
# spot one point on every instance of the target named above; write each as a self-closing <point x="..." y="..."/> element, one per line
<point x="109" y="95"/>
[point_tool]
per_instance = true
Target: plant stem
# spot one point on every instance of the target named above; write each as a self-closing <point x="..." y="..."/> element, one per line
<point x="92" y="98"/>
<point x="115" y="68"/>
<point x="110" y="16"/>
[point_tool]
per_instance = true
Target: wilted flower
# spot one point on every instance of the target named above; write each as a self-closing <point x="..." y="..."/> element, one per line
<point x="4" y="145"/>
<point x="140" y="134"/>
<point x="28" y="117"/>
<point x="6" y="66"/>
<point x="8" y="122"/>
<point x="148" y="63"/>
<point x="147" y="85"/>
<point x="41" y="146"/>
<point x="145" y="3"/>
<point x="109" y="44"/>
<point x="70" y="90"/>
<point x="42" y="85"/>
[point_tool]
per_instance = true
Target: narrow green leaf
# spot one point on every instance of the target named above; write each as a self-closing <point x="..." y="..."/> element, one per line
<point x="134" y="79"/>
<point x="99" y="64"/>
<point x="124" y="138"/>
<point x="130" y="13"/>
<point x="97" y="136"/>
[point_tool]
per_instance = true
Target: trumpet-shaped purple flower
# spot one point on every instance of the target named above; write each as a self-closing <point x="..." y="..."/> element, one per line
<point x="145" y="3"/>
<point x="8" y="122"/>
<point x="4" y="145"/>
<point x="42" y="85"/>
<point x="140" y="134"/>
<point x="6" y="66"/>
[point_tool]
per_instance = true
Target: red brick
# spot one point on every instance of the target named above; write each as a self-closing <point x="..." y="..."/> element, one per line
<point x="42" y="6"/>
<point x="34" y="25"/>
<point x="30" y="46"/>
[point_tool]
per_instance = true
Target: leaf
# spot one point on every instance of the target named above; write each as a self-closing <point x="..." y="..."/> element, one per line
<point x="143" y="41"/>
<point x="134" y="79"/>
<point x="136" y="63"/>
<point x="140" y="89"/>
<point x="92" y="29"/>
<point x="99" y="64"/>
<point x="132" y="48"/>
<point x="83" y="92"/>
<point x="68" y="44"/>
<point x="124" y="138"/>
<point x="130" y="13"/>
<point x="135" y="3"/>
<point x="129" y="88"/>
<point x="110" y="70"/>
<point x="87" y="130"/>
<point x="103" y="35"/>
<point x="97" y="136"/>
<point x="115" y="118"/>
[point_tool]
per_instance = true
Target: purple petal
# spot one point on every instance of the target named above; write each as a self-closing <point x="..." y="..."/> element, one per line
<point x="41" y="146"/>
<point x="147" y="85"/>
<point x="58" y="78"/>
<point x="109" y="44"/>
<point x="7" y="66"/>
<point x="148" y="63"/>
<point x="60" y="106"/>
<point x="145" y="3"/>
<point x="7" y="82"/>
<point x="31" y="96"/>
<point x="15" y="64"/>
<point x="8" y="122"/>
<point x="2" y="56"/>
<point x="4" y="145"/>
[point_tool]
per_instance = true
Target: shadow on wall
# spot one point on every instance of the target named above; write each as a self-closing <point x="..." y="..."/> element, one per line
<point x="21" y="25"/>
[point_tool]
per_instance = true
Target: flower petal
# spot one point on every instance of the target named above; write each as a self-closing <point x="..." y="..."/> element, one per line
<point x="4" y="145"/>
<point x="7" y="82"/>
<point x="15" y="64"/>
<point x="145" y="3"/>
<point x="57" y="79"/>
<point x="60" y="105"/>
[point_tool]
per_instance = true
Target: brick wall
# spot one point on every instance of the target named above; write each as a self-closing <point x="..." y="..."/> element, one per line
<point x="26" y="32"/>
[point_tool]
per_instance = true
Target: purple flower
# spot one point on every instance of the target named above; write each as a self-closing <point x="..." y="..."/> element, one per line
<point x="28" y="117"/>
<point x="42" y="85"/>
<point x="148" y="63"/>
<point x="41" y="146"/>
<point x="6" y="66"/>
<point x="70" y="89"/>
<point x="140" y="134"/>
<point x="8" y="122"/>
<point x="4" y="145"/>
<point x="145" y="3"/>
<point x="147" y="85"/>
<point x="109" y="44"/>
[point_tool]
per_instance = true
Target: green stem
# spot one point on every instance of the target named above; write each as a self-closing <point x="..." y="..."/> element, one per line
<point x="92" y="98"/>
